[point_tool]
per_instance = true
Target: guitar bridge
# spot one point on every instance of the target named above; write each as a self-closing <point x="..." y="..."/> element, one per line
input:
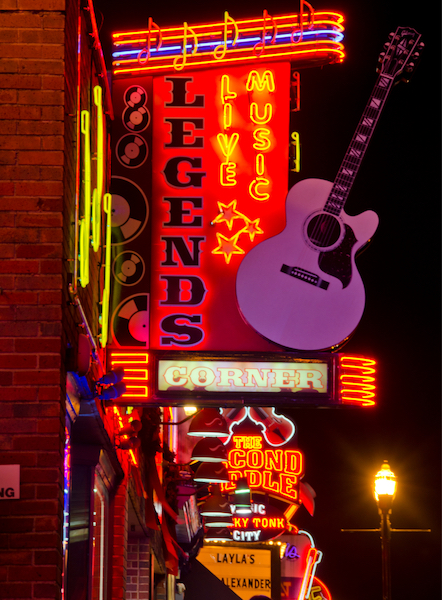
<point x="306" y="276"/>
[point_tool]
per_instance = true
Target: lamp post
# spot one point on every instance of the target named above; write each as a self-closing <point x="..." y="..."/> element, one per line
<point x="384" y="492"/>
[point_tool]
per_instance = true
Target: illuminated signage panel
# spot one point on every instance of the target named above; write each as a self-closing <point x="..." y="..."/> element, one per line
<point x="211" y="379"/>
<point x="220" y="159"/>
<point x="246" y="571"/>
<point x="242" y="377"/>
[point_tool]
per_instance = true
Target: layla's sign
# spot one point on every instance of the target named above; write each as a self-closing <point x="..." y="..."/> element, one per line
<point x="247" y="572"/>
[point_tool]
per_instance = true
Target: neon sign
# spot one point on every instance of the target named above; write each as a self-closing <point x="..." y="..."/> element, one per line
<point x="91" y="221"/>
<point x="218" y="151"/>
<point x="308" y="37"/>
<point x="276" y="471"/>
<point x="236" y="376"/>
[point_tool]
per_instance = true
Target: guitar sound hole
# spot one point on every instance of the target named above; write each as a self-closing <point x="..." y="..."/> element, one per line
<point x="324" y="230"/>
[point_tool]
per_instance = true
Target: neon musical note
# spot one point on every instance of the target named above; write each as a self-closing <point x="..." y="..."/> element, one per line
<point x="147" y="49"/>
<point x="221" y="49"/>
<point x="258" y="49"/>
<point x="177" y="65"/>
<point x="310" y="22"/>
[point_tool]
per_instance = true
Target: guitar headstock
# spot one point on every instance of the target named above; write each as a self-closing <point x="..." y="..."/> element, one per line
<point x="401" y="54"/>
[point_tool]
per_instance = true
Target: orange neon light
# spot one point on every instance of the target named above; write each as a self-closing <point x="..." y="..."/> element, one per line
<point x="134" y="373"/>
<point x="273" y="470"/>
<point x="357" y="380"/>
<point x="255" y="189"/>
<point x="227" y="144"/>
<point x="260" y="82"/>
<point x="227" y="174"/>
<point x="121" y="425"/>
<point x="315" y="37"/>
<point x="226" y="93"/>
<point x="227" y="246"/>
<point x="261" y="119"/>
<point x="314" y="557"/>
<point x="261" y="135"/>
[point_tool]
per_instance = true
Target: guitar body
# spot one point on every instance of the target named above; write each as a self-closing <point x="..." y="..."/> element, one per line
<point x="300" y="288"/>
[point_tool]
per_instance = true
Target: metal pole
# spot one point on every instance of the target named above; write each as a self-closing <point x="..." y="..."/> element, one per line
<point x="385" y="546"/>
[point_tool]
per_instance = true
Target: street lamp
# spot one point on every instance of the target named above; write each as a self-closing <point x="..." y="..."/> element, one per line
<point x="384" y="492"/>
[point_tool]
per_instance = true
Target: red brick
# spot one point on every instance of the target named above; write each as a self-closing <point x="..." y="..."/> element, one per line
<point x="33" y="573"/>
<point x="25" y="459"/>
<point x="6" y="188"/>
<point x="16" y="525"/>
<point x="51" y="235"/>
<point x="39" y="188"/>
<point x="34" y="540"/>
<point x="8" y="128"/>
<point x="49" y="459"/>
<point x="38" y="345"/>
<point x="39" y="475"/>
<point x="38" y="282"/>
<point x="22" y="20"/>
<point x="5" y="378"/>
<point x="8" y="557"/>
<point x="19" y="426"/>
<point x="47" y="157"/>
<point x="41" y="443"/>
<point x="18" y="361"/>
<point x="23" y="394"/>
<point x="8" y="96"/>
<point x="7" y="345"/>
<point x="37" y="410"/>
<point x="53" y="82"/>
<point x="36" y="377"/>
<point x="47" y="491"/>
<point x="18" y="329"/>
<point x="16" y="590"/>
<point x="19" y="266"/>
<point x="50" y="329"/>
<point x="45" y="590"/>
<point x="38" y="251"/>
<point x="49" y="361"/>
<point x="7" y="220"/>
<point x="39" y="220"/>
<point x="52" y="142"/>
<point x="20" y="142"/>
<point x="15" y="173"/>
<point x="41" y="97"/>
<point x="7" y="251"/>
<point x="50" y="297"/>
<point x="18" y="298"/>
<point x="49" y="393"/>
<point x="24" y="82"/>
<point x="51" y="266"/>
<point x="38" y="313"/>
<point x="7" y="157"/>
<point x="47" y="557"/>
<point x="38" y="507"/>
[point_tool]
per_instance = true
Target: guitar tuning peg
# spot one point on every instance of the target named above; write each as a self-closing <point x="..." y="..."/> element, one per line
<point x="381" y="57"/>
<point x="391" y="35"/>
<point x="421" y="46"/>
<point x="409" y="68"/>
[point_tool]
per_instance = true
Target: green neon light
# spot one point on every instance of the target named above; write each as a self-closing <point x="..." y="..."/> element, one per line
<point x="85" y="224"/>
<point x="104" y="319"/>
<point x="98" y="191"/>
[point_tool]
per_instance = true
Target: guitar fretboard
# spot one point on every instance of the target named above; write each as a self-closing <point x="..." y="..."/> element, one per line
<point x="358" y="146"/>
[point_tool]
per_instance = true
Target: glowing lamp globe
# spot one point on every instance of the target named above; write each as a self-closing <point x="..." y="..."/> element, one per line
<point x="385" y="482"/>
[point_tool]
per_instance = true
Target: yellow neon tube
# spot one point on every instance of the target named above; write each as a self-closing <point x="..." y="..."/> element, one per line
<point x="107" y="205"/>
<point x="98" y="191"/>
<point x="85" y="225"/>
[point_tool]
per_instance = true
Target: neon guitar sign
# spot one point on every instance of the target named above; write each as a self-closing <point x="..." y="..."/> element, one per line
<point x="301" y="289"/>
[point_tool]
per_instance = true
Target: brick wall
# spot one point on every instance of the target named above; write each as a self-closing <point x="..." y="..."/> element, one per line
<point x="32" y="376"/>
<point x="138" y="569"/>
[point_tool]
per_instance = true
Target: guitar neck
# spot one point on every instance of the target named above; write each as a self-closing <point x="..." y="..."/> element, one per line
<point x="358" y="146"/>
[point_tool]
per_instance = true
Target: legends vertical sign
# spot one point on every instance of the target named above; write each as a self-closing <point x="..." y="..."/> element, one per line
<point x="220" y="178"/>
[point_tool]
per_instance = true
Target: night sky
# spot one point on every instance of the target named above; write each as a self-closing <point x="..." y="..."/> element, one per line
<point x="400" y="180"/>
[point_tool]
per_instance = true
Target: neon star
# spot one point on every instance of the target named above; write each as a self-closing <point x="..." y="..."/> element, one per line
<point x="227" y="214"/>
<point x="228" y="246"/>
<point x="252" y="228"/>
